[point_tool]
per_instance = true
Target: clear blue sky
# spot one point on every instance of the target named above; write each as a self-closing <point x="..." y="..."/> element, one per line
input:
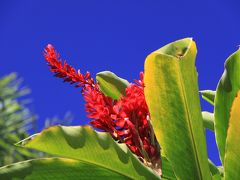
<point x="110" y="35"/>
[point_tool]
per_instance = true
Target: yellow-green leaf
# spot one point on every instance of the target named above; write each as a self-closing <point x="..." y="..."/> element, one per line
<point x="227" y="89"/>
<point x="232" y="154"/>
<point x="112" y="85"/>
<point x="172" y="95"/>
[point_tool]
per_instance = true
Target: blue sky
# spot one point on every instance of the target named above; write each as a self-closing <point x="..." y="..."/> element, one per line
<point x="110" y="35"/>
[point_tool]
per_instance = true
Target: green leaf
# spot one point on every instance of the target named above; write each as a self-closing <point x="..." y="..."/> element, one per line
<point x="171" y="92"/>
<point x="227" y="89"/>
<point x="232" y="154"/>
<point x="208" y="95"/>
<point x="111" y="85"/>
<point x="208" y="120"/>
<point x="56" y="168"/>
<point x="85" y="144"/>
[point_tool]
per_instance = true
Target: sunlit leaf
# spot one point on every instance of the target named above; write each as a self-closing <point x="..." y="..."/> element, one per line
<point x="171" y="92"/>
<point x="232" y="150"/>
<point x="227" y="89"/>
<point x="111" y="85"/>
<point x="85" y="144"/>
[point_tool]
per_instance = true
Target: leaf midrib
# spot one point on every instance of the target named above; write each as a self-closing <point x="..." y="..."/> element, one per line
<point x="97" y="163"/>
<point x="104" y="167"/>
<point x="188" y="119"/>
<point x="114" y="170"/>
<point x="86" y="162"/>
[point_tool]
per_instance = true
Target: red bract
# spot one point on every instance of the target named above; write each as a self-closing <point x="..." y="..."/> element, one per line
<point x="134" y="122"/>
<point x="126" y="119"/>
<point x="64" y="70"/>
<point x="97" y="105"/>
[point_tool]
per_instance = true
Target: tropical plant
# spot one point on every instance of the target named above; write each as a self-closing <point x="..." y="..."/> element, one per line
<point x="15" y="120"/>
<point x="150" y="129"/>
<point x="226" y="116"/>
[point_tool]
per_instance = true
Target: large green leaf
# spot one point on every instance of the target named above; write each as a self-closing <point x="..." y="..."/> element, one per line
<point x="227" y="89"/>
<point x="171" y="92"/>
<point x="85" y="144"/>
<point x="111" y="85"/>
<point x="56" y="168"/>
<point x="208" y="95"/>
<point x="232" y="154"/>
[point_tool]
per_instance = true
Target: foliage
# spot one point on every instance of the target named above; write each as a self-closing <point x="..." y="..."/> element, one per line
<point x="86" y="145"/>
<point x="112" y="85"/>
<point x="175" y="108"/>
<point x="126" y="119"/>
<point x="227" y="116"/>
<point x="151" y="129"/>
<point x="57" y="168"/>
<point x="15" y="120"/>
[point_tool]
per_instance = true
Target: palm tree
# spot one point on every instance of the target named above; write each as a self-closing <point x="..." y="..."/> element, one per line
<point x="15" y="119"/>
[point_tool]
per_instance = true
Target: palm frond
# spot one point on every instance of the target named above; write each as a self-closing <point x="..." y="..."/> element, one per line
<point x="15" y="119"/>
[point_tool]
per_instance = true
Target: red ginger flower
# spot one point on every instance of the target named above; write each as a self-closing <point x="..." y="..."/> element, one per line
<point x="126" y="119"/>
<point x="97" y="105"/>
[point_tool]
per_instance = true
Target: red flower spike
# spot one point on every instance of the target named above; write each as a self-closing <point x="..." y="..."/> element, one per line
<point x="64" y="70"/>
<point x="127" y="120"/>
